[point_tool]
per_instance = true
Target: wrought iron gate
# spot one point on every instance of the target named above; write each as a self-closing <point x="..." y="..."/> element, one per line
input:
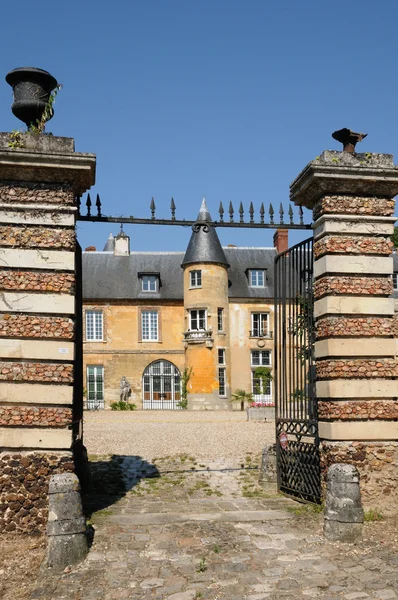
<point x="297" y="442"/>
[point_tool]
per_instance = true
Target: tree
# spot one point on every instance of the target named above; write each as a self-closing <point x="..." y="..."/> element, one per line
<point x="242" y="397"/>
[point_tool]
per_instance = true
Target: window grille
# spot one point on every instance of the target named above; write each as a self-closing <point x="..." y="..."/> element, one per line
<point x="149" y="283"/>
<point x="221" y="381"/>
<point x="149" y="326"/>
<point x="257" y="277"/>
<point x="94" y="325"/>
<point x="220" y="319"/>
<point x="196" y="278"/>
<point x="197" y="319"/>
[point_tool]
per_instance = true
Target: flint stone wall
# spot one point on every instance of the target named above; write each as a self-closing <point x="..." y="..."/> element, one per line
<point x="358" y="409"/>
<point x="35" y="416"/>
<point x="354" y="205"/>
<point x="29" y="371"/>
<point x="377" y="463"/>
<point x="24" y="479"/>
<point x="355" y="326"/>
<point x="350" y="244"/>
<point x="17" y="280"/>
<point x="28" y="326"/>
<point x="35" y="193"/>
<point x="356" y="368"/>
<point x="31" y="236"/>
<point x="332" y="285"/>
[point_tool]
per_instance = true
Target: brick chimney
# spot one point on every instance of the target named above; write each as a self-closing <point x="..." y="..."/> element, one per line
<point x="281" y="240"/>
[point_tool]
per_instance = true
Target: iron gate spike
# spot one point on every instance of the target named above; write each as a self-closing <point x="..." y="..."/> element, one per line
<point x="78" y="203"/>
<point x="251" y="212"/>
<point x="98" y="205"/>
<point x="291" y="216"/>
<point x="221" y="212"/>
<point x="88" y="204"/>
<point x="231" y="213"/>
<point x="241" y="213"/>
<point x="281" y="213"/>
<point x="301" y="215"/>
<point x="271" y="214"/>
<point x="153" y="208"/>
<point x="173" y="209"/>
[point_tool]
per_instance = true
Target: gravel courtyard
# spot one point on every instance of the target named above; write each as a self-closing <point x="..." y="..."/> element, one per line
<point x="152" y="434"/>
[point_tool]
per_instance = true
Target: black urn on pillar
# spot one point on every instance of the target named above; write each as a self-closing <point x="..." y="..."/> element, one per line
<point x="32" y="88"/>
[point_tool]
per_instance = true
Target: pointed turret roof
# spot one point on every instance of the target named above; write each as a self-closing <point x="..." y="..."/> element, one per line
<point x="204" y="245"/>
<point x="110" y="244"/>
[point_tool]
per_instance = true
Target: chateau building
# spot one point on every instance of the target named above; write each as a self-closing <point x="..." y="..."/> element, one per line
<point x="151" y="316"/>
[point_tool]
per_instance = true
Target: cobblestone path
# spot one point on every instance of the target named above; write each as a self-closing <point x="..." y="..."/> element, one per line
<point x="188" y="530"/>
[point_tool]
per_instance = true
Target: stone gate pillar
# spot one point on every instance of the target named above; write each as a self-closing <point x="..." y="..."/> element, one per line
<point x="40" y="407"/>
<point x="351" y="195"/>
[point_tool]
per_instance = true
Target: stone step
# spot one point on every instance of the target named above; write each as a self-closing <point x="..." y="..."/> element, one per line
<point x="233" y="516"/>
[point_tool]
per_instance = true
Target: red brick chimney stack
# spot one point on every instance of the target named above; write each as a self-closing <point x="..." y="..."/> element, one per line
<point x="281" y="240"/>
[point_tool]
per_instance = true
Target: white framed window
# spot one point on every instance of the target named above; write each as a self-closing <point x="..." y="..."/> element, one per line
<point x="221" y="381"/>
<point x="260" y="358"/>
<point x="94" y="326"/>
<point x="261" y="390"/>
<point x="149" y="326"/>
<point x="221" y="356"/>
<point x="197" y="320"/>
<point x="95" y="387"/>
<point x="260" y="323"/>
<point x="220" y="319"/>
<point x="196" y="278"/>
<point x="257" y="278"/>
<point x="395" y="281"/>
<point x="149" y="283"/>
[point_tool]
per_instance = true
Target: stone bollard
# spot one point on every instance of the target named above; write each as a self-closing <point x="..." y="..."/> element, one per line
<point x="343" y="512"/>
<point x="268" y="473"/>
<point x="66" y="528"/>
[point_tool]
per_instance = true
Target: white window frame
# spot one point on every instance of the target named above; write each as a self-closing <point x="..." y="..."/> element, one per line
<point x="222" y="392"/>
<point x="149" y="283"/>
<point x="264" y="396"/>
<point x="220" y="319"/>
<point x="221" y="353"/>
<point x="261" y="317"/>
<point x="95" y="391"/>
<point x="197" y="318"/>
<point x="195" y="278"/>
<point x="395" y="281"/>
<point x="149" y="329"/>
<point x="262" y="355"/>
<point x="95" y="329"/>
<point x="254" y="276"/>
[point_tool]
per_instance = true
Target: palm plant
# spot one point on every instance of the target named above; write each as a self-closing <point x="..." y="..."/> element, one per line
<point x="242" y="397"/>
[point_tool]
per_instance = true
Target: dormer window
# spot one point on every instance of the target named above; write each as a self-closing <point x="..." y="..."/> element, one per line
<point x="149" y="282"/>
<point x="195" y="279"/>
<point x="257" y="278"/>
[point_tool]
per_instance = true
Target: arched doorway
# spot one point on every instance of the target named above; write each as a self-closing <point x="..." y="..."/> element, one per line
<point x="161" y="386"/>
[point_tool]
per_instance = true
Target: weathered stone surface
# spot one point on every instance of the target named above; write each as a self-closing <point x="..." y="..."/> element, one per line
<point x="24" y="481"/>
<point x="354" y="205"/>
<point x="35" y="193"/>
<point x="35" y="416"/>
<point x="343" y="511"/>
<point x="349" y="244"/>
<point x="29" y="371"/>
<point x="345" y="285"/>
<point x="268" y="469"/>
<point x="67" y="542"/>
<point x="38" y="282"/>
<point x="377" y="463"/>
<point x="356" y="409"/>
<point x="25" y="236"/>
<point x="355" y="326"/>
<point x="28" y="326"/>
<point x="356" y="368"/>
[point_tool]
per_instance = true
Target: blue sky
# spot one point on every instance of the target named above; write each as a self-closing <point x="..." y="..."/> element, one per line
<point x="224" y="99"/>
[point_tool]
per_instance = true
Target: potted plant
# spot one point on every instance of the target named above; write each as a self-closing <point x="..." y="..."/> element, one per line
<point x="241" y="396"/>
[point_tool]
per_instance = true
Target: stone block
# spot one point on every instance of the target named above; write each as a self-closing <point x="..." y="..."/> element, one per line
<point x="343" y="511"/>
<point x="355" y="264"/>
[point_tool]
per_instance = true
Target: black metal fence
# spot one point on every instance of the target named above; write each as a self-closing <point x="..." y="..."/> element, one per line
<point x="297" y="441"/>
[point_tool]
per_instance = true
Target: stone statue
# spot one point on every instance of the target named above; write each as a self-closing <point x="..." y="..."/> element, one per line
<point x="125" y="390"/>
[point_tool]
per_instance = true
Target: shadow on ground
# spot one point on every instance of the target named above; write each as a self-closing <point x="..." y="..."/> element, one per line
<point x="111" y="477"/>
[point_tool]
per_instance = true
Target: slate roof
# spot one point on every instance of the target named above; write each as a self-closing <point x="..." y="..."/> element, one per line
<point x="204" y="245"/>
<point x="110" y="277"/>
